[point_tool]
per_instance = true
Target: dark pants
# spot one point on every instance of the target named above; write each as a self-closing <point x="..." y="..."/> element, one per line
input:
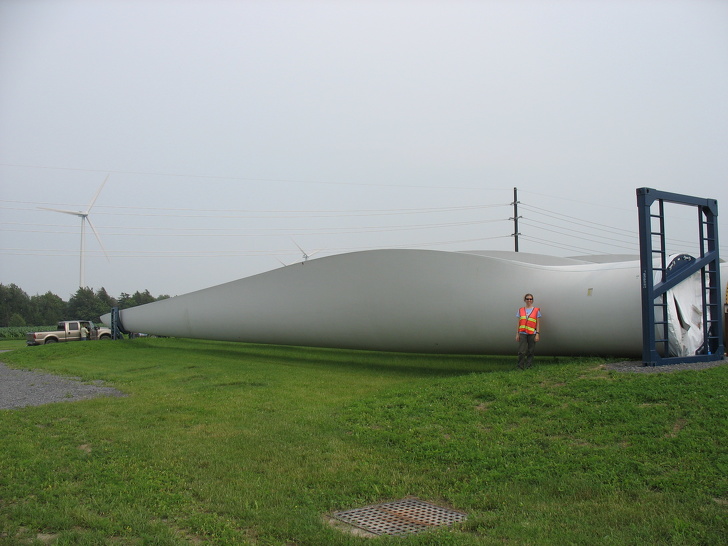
<point x="526" y="346"/>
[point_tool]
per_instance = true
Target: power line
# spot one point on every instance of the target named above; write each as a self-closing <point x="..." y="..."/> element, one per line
<point x="258" y="214"/>
<point x="259" y="232"/>
<point x="620" y="236"/>
<point x="44" y="252"/>
<point x="247" y="179"/>
<point x="571" y="234"/>
<point x="561" y="246"/>
<point x="620" y="232"/>
<point x="575" y="220"/>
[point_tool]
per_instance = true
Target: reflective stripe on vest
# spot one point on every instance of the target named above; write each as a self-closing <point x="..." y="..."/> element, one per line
<point x="527" y="323"/>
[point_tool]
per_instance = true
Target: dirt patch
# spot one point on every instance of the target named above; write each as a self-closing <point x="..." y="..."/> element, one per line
<point x="677" y="427"/>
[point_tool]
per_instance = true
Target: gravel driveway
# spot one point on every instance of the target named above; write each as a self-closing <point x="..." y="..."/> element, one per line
<point x="21" y="388"/>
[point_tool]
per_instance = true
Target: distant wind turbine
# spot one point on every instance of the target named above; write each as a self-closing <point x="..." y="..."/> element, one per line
<point x="84" y="218"/>
<point x="305" y="256"/>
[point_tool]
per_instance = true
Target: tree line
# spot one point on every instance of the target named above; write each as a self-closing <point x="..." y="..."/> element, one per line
<point x="19" y="309"/>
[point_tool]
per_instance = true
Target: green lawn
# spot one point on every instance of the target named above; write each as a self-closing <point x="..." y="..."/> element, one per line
<point x="10" y="344"/>
<point x="222" y="443"/>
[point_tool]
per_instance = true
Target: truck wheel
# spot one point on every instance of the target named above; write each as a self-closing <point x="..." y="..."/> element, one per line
<point x="50" y="340"/>
<point x="105" y="336"/>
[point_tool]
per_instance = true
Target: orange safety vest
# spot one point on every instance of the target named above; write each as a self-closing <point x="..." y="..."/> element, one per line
<point x="527" y="323"/>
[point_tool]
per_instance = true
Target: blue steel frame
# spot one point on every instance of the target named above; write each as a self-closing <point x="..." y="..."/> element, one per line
<point x="654" y="294"/>
<point x="117" y="329"/>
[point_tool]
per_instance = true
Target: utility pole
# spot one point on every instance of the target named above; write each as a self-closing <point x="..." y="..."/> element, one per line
<point x="515" y="217"/>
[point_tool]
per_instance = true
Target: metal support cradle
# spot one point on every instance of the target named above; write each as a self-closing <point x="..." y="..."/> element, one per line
<point x="117" y="328"/>
<point x="657" y="277"/>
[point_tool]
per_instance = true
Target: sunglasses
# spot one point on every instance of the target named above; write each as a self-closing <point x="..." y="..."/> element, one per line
<point x="527" y="299"/>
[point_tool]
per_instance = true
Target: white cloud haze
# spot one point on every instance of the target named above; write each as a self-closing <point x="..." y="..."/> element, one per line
<point x="234" y="131"/>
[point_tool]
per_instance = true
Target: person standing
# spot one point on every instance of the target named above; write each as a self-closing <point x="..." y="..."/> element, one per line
<point x="84" y="332"/>
<point x="527" y="334"/>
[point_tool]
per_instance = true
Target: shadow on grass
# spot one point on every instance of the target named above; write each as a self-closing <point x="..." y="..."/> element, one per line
<point x="408" y="364"/>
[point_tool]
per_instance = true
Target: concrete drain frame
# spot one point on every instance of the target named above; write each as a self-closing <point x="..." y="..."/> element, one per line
<point x="400" y="518"/>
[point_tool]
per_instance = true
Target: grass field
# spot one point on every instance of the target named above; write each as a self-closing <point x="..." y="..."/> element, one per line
<point x="221" y="443"/>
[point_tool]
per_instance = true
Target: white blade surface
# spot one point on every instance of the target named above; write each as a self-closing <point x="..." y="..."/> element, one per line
<point x="97" y="194"/>
<point x="73" y="213"/>
<point x="97" y="237"/>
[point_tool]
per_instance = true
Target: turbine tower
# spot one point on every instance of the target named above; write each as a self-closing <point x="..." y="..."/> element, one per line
<point x="85" y="218"/>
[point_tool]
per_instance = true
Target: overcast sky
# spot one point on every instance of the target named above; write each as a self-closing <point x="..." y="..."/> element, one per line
<point x="233" y="131"/>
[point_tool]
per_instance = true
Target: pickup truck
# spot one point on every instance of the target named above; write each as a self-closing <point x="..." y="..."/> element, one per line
<point x="67" y="330"/>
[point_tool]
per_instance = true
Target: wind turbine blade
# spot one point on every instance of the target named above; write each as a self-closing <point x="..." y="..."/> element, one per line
<point x="63" y="211"/>
<point x="298" y="247"/>
<point x="97" y="193"/>
<point x="97" y="237"/>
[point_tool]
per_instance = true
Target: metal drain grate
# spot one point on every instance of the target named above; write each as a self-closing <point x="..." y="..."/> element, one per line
<point x="400" y="518"/>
